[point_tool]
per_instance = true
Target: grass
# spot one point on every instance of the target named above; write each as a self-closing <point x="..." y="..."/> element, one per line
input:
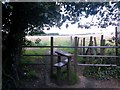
<point x="36" y="51"/>
<point x="30" y="74"/>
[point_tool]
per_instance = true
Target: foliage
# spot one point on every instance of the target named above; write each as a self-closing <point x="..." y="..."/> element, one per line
<point x="102" y="72"/>
<point x="73" y="12"/>
<point x="28" y="42"/>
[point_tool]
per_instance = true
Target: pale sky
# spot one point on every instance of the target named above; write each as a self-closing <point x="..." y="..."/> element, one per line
<point x="73" y="28"/>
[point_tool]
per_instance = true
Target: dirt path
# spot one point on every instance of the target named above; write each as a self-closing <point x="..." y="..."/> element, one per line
<point x="92" y="83"/>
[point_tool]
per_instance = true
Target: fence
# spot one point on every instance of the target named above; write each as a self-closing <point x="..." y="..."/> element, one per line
<point x="75" y="55"/>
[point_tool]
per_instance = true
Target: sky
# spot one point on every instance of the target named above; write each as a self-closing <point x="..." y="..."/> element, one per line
<point x="73" y="28"/>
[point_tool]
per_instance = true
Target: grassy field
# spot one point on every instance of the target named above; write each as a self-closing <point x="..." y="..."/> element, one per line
<point x="67" y="40"/>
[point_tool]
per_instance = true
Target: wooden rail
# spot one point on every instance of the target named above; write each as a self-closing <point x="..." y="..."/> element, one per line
<point x="105" y="56"/>
<point x="72" y="46"/>
<point x="100" y="65"/>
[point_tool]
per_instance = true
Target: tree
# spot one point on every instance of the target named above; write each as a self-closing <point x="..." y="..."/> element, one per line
<point x="22" y="17"/>
<point x="19" y="18"/>
<point x="105" y="12"/>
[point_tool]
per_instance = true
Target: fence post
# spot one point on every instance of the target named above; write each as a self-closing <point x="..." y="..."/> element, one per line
<point x="116" y="40"/>
<point x="71" y="40"/>
<point x="83" y="45"/>
<point x="101" y="44"/>
<point x="116" y="44"/>
<point x="75" y="55"/>
<point x="95" y="44"/>
<point x="51" y="58"/>
<point x="89" y="50"/>
<point x="81" y="48"/>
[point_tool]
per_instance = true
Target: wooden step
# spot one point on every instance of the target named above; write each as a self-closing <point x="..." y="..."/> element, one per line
<point x="63" y="53"/>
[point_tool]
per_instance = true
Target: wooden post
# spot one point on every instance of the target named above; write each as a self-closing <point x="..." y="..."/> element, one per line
<point x="116" y="44"/>
<point x="83" y="45"/>
<point x="116" y="40"/>
<point x="51" y="73"/>
<point x="101" y="44"/>
<point x="75" y="55"/>
<point x="90" y="44"/>
<point x="95" y="44"/>
<point x="80" y="48"/>
<point x="71" y="40"/>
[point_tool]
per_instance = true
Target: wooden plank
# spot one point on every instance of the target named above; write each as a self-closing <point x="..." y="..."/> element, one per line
<point x="72" y="46"/>
<point x="98" y="47"/>
<point x="98" y="56"/>
<point x="78" y="55"/>
<point x="63" y="53"/>
<point x="102" y="65"/>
